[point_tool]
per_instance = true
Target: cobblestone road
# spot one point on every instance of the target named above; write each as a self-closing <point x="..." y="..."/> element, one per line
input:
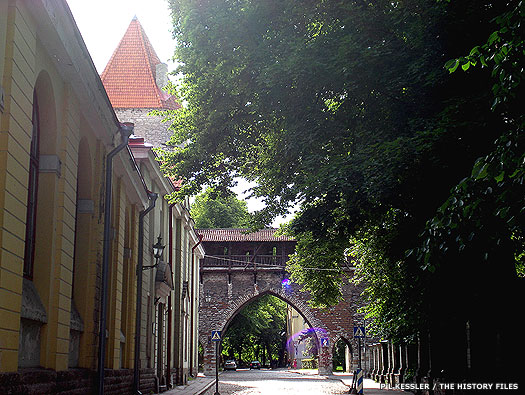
<point x="275" y="382"/>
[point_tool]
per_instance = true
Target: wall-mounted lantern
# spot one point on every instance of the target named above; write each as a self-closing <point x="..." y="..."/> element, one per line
<point x="158" y="249"/>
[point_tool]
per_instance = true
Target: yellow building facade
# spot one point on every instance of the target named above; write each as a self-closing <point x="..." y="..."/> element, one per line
<point x="57" y="127"/>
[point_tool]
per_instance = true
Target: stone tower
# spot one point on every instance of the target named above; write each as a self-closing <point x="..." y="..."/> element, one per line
<point x="134" y="78"/>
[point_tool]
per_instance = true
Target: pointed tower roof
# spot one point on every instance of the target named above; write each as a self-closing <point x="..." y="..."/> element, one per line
<point x="130" y="77"/>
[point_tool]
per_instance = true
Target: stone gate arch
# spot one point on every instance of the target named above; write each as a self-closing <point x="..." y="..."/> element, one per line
<point x="352" y="345"/>
<point x="226" y="291"/>
<point x="287" y="297"/>
<point x="318" y="331"/>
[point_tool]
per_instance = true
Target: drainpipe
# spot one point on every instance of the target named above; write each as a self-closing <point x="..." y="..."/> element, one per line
<point x="170" y="262"/>
<point x="125" y="130"/>
<point x="152" y="199"/>
<point x="193" y="303"/>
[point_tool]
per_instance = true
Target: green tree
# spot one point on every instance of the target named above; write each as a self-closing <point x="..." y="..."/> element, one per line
<point x="257" y="332"/>
<point x="213" y="210"/>
<point x="339" y="356"/>
<point x="485" y="211"/>
<point x="345" y="108"/>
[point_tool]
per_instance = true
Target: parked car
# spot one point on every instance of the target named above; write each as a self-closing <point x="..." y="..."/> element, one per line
<point x="255" y="365"/>
<point x="230" y="365"/>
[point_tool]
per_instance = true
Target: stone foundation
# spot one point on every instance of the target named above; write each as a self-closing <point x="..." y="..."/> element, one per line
<point x="72" y="382"/>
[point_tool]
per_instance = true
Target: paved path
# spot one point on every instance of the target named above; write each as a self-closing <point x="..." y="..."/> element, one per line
<point x="276" y="382"/>
<point x="201" y="384"/>
<point x="370" y="387"/>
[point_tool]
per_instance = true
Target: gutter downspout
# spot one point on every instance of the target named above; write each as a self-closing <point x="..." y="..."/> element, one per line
<point x="152" y="199"/>
<point x="125" y="129"/>
<point x="193" y="302"/>
<point x="170" y="262"/>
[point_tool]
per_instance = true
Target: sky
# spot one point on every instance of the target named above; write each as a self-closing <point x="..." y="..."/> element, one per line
<point x="102" y="24"/>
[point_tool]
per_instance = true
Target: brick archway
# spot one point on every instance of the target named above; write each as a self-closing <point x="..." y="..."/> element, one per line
<point x="226" y="291"/>
<point x="352" y="345"/>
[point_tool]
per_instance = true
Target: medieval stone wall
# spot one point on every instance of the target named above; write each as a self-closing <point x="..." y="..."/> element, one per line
<point x="224" y="293"/>
<point x="151" y="127"/>
<point x="253" y="248"/>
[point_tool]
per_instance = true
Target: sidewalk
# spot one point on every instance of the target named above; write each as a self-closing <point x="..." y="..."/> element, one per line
<point x="195" y="386"/>
<point x="370" y="387"/>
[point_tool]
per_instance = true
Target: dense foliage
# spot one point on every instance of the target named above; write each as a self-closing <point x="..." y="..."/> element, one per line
<point x="212" y="210"/>
<point x="257" y="332"/>
<point x="339" y="357"/>
<point x="486" y="210"/>
<point x="346" y="109"/>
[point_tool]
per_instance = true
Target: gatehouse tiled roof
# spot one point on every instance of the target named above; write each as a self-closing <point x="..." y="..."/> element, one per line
<point x="129" y="76"/>
<point x="229" y="234"/>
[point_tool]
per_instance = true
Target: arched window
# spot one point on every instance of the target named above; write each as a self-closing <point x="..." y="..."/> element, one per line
<point x="81" y="255"/>
<point x="29" y="254"/>
<point x="38" y="291"/>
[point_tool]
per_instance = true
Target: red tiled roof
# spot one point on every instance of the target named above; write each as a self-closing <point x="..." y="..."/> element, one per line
<point x="129" y="76"/>
<point x="177" y="182"/>
<point x="267" y="234"/>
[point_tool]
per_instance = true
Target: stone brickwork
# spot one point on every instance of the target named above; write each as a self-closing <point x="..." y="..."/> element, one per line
<point x="73" y="382"/>
<point x="224" y="291"/>
<point x="150" y="127"/>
